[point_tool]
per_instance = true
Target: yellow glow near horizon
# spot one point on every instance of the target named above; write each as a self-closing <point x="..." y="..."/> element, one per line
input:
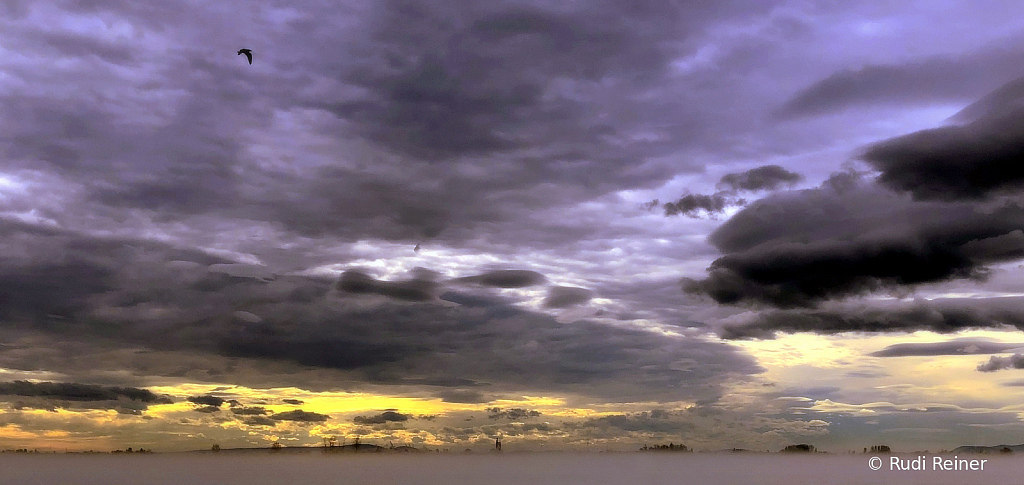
<point x="809" y="360"/>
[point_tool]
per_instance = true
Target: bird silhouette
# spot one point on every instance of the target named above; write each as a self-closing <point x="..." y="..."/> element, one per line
<point x="248" y="54"/>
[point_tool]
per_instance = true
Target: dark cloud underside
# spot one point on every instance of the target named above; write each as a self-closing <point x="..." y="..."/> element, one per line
<point x="972" y="161"/>
<point x="1015" y="361"/>
<point x="692" y="205"/>
<point x="382" y="418"/>
<point x="386" y="342"/>
<point x="299" y="415"/>
<point x="960" y="346"/>
<point x="850" y="237"/>
<point x="566" y="296"/>
<point x="507" y="278"/>
<point x="69" y="391"/>
<point x="767" y="177"/>
<point x="941" y="315"/>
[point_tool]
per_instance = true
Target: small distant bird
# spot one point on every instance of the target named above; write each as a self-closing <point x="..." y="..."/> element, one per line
<point x="417" y="248"/>
<point x="248" y="54"/>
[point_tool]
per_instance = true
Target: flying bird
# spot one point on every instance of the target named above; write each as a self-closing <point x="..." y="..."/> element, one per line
<point x="248" y="54"/>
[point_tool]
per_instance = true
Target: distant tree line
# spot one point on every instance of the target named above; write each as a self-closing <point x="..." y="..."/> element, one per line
<point x="668" y="447"/>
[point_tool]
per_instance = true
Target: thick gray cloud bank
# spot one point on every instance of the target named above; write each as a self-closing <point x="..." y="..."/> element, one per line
<point x="136" y="293"/>
<point x="973" y="161"/>
<point x="69" y="391"/>
<point x="918" y="222"/>
<point x="940" y="315"/>
<point x="850" y="237"/>
<point x="70" y="395"/>
<point x="443" y="118"/>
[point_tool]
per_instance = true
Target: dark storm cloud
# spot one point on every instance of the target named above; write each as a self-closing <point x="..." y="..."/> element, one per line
<point x="928" y="80"/>
<point x="566" y="296"/>
<point x="408" y="290"/>
<point x="207" y="400"/>
<point x="384" y="417"/>
<point x="299" y="415"/>
<point x="850" y="237"/>
<point x="513" y="414"/>
<point x="939" y="315"/>
<point x="691" y="205"/>
<point x="767" y="177"/>
<point x="854" y="236"/>
<point x="443" y="120"/>
<point x="506" y="278"/>
<point x="259" y="421"/>
<point x="69" y="391"/>
<point x="160" y="298"/>
<point x="55" y="272"/>
<point x="479" y="80"/>
<point x="249" y="411"/>
<point x="960" y="346"/>
<point x="1015" y="361"/>
<point x="973" y="161"/>
<point x="292" y="401"/>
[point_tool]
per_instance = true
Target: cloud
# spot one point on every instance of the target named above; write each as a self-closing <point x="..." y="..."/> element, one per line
<point x="292" y="401"/>
<point x="384" y="417"/>
<point x="970" y="162"/>
<point x="259" y="421"/>
<point x="513" y="414"/>
<point x="407" y="290"/>
<point x="959" y="346"/>
<point x="207" y="400"/>
<point x="766" y="177"/>
<point x="51" y="395"/>
<point x="448" y="130"/>
<point x="506" y="278"/>
<point x="939" y="315"/>
<point x="299" y="415"/>
<point x="147" y="295"/>
<point x="1015" y="361"/>
<point x="566" y="296"/>
<point x="850" y="237"/>
<point x="691" y="205"/>
<point x="938" y="78"/>
<point x="249" y="410"/>
<point x="488" y="89"/>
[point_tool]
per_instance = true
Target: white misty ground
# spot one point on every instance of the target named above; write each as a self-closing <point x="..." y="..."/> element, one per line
<point x="507" y="469"/>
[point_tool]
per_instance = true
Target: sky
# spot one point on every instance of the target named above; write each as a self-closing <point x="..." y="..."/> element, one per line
<point x="582" y="225"/>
